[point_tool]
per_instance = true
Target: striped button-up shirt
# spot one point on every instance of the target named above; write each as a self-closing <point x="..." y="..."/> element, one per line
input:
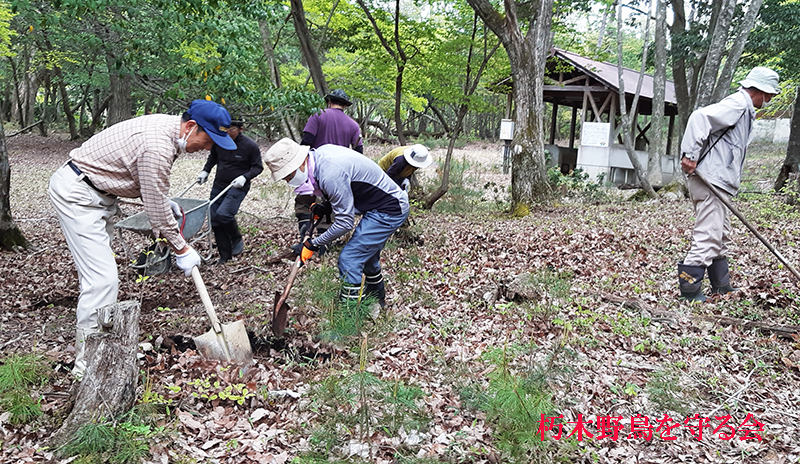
<point x="134" y="159"/>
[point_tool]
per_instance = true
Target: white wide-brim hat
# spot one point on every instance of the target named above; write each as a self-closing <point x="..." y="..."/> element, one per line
<point x="417" y="156"/>
<point x="285" y="157"/>
<point x="764" y="79"/>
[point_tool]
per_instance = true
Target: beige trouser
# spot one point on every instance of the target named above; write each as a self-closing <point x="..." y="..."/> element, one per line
<point x="712" y="225"/>
<point x="85" y="217"/>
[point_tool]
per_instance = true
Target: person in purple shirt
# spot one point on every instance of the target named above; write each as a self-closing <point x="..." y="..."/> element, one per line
<point x="330" y="126"/>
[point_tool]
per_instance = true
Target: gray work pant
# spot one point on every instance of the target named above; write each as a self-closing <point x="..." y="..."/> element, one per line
<point x="85" y="217"/>
<point x="712" y="225"/>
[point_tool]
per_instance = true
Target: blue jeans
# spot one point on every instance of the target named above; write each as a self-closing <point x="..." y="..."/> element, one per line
<point x="223" y="211"/>
<point x="362" y="253"/>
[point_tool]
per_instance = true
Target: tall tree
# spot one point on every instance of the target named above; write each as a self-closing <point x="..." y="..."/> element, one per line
<point x="658" y="139"/>
<point x="10" y="235"/>
<point x="480" y="51"/>
<point x="400" y="55"/>
<point x="308" y="49"/>
<point x="712" y="32"/>
<point x="628" y="123"/>
<point x="527" y="54"/>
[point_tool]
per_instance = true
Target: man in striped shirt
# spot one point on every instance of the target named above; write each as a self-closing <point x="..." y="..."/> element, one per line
<point x="130" y="159"/>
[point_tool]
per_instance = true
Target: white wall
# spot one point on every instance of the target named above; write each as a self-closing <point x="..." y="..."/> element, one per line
<point x="772" y="130"/>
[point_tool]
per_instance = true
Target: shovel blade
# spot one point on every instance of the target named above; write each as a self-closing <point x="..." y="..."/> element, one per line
<point x="209" y="345"/>
<point x="279" y="316"/>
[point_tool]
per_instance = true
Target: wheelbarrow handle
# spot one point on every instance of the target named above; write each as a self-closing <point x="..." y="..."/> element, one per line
<point x="187" y="188"/>
<point x="214" y="200"/>
<point x="747" y="224"/>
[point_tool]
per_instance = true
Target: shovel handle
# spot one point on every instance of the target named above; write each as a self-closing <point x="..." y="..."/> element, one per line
<point x="295" y="268"/>
<point x="209" y="307"/>
<point x="747" y="223"/>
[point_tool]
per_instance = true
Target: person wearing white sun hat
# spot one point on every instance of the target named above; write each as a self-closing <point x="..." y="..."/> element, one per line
<point x="402" y="162"/>
<point x="351" y="184"/>
<point x="715" y="144"/>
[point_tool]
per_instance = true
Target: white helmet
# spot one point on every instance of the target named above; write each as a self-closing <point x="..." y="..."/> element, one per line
<point x="417" y="156"/>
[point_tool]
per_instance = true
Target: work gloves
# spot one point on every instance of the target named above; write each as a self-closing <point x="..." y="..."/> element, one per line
<point x="321" y="209"/>
<point x="404" y="185"/>
<point x="176" y="209"/>
<point x="202" y="177"/>
<point x="239" y="182"/>
<point x="187" y="261"/>
<point x="305" y="250"/>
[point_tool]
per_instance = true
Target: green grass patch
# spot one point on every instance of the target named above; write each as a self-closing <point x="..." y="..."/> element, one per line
<point x="124" y="442"/>
<point x="19" y="377"/>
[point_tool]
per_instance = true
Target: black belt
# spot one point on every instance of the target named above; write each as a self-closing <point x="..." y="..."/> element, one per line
<point x="86" y="179"/>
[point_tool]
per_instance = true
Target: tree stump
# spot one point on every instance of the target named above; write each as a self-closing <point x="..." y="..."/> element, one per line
<point x="108" y="387"/>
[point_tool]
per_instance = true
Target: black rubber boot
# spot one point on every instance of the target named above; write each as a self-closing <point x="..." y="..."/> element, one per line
<point x="690" y="282"/>
<point x="719" y="277"/>
<point x="223" y="243"/>
<point x="373" y="286"/>
<point x="349" y="295"/>
<point x="237" y="243"/>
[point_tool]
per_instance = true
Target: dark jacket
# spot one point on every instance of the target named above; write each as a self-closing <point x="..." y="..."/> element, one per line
<point x="244" y="161"/>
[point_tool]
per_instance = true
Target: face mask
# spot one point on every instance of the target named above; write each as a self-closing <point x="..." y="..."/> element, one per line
<point x="300" y="178"/>
<point x="764" y="104"/>
<point x="183" y="140"/>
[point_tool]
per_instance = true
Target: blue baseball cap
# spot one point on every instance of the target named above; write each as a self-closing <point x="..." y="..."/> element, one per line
<point x="215" y="120"/>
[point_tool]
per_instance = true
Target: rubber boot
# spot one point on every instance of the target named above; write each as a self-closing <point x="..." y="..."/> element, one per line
<point x="237" y="243"/>
<point x="719" y="277"/>
<point x="349" y="295"/>
<point x="80" y="350"/>
<point x="375" y="288"/>
<point x="690" y="282"/>
<point x="223" y="243"/>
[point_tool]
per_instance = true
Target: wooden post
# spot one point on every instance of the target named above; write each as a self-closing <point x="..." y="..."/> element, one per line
<point x="572" y="127"/>
<point x="553" y="119"/>
<point x="108" y="387"/>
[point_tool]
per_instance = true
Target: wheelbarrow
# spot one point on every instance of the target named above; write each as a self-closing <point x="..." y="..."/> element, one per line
<point x="195" y="226"/>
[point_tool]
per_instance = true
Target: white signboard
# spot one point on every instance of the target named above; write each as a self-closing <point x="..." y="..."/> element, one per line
<point x="506" y="129"/>
<point x="595" y="134"/>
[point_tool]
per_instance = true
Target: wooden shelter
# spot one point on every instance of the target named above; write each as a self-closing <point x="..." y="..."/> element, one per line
<point x="591" y="88"/>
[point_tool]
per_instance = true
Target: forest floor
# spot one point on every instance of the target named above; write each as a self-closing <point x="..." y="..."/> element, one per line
<point x="497" y="328"/>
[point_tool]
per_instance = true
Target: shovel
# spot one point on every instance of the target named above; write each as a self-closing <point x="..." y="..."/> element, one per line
<point x="224" y="342"/>
<point x="281" y="311"/>
<point x="736" y="213"/>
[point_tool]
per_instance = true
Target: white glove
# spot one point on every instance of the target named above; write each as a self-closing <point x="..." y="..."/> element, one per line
<point x="239" y="182"/>
<point x="187" y="261"/>
<point x="202" y="177"/>
<point x="176" y="209"/>
<point x="404" y="185"/>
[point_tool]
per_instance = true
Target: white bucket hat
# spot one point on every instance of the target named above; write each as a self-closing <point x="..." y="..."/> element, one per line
<point x="285" y="157"/>
<point x="417" y="156"/>
<point x="764" y="79"/>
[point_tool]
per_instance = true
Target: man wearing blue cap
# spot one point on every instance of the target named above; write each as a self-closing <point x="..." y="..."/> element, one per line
<point x="131" y="159"/>
<point x="715" y="145"/>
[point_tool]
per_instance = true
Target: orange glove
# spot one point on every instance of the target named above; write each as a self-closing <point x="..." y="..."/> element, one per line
<point x="305" y="250"/>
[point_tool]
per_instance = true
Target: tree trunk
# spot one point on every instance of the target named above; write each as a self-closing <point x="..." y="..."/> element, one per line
<point x="309" y="54"/>
<point x="121" y="106"/>
<point x="792" y="162"/>
<point x="658" y="146"/>
<point x="723" y="86"/>
<point x="716" y="49"/>
<point x="527" y="56"/>
<point x="444" y="186"/>
<point x="398" y="95"/>
<point x="269" y="54"/>
<point x="108" y="388"/>
<point x="628" y="123"/>
<point x="11" y="237"/>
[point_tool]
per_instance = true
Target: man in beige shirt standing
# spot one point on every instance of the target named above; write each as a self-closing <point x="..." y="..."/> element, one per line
<point x="130" y="159"/>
